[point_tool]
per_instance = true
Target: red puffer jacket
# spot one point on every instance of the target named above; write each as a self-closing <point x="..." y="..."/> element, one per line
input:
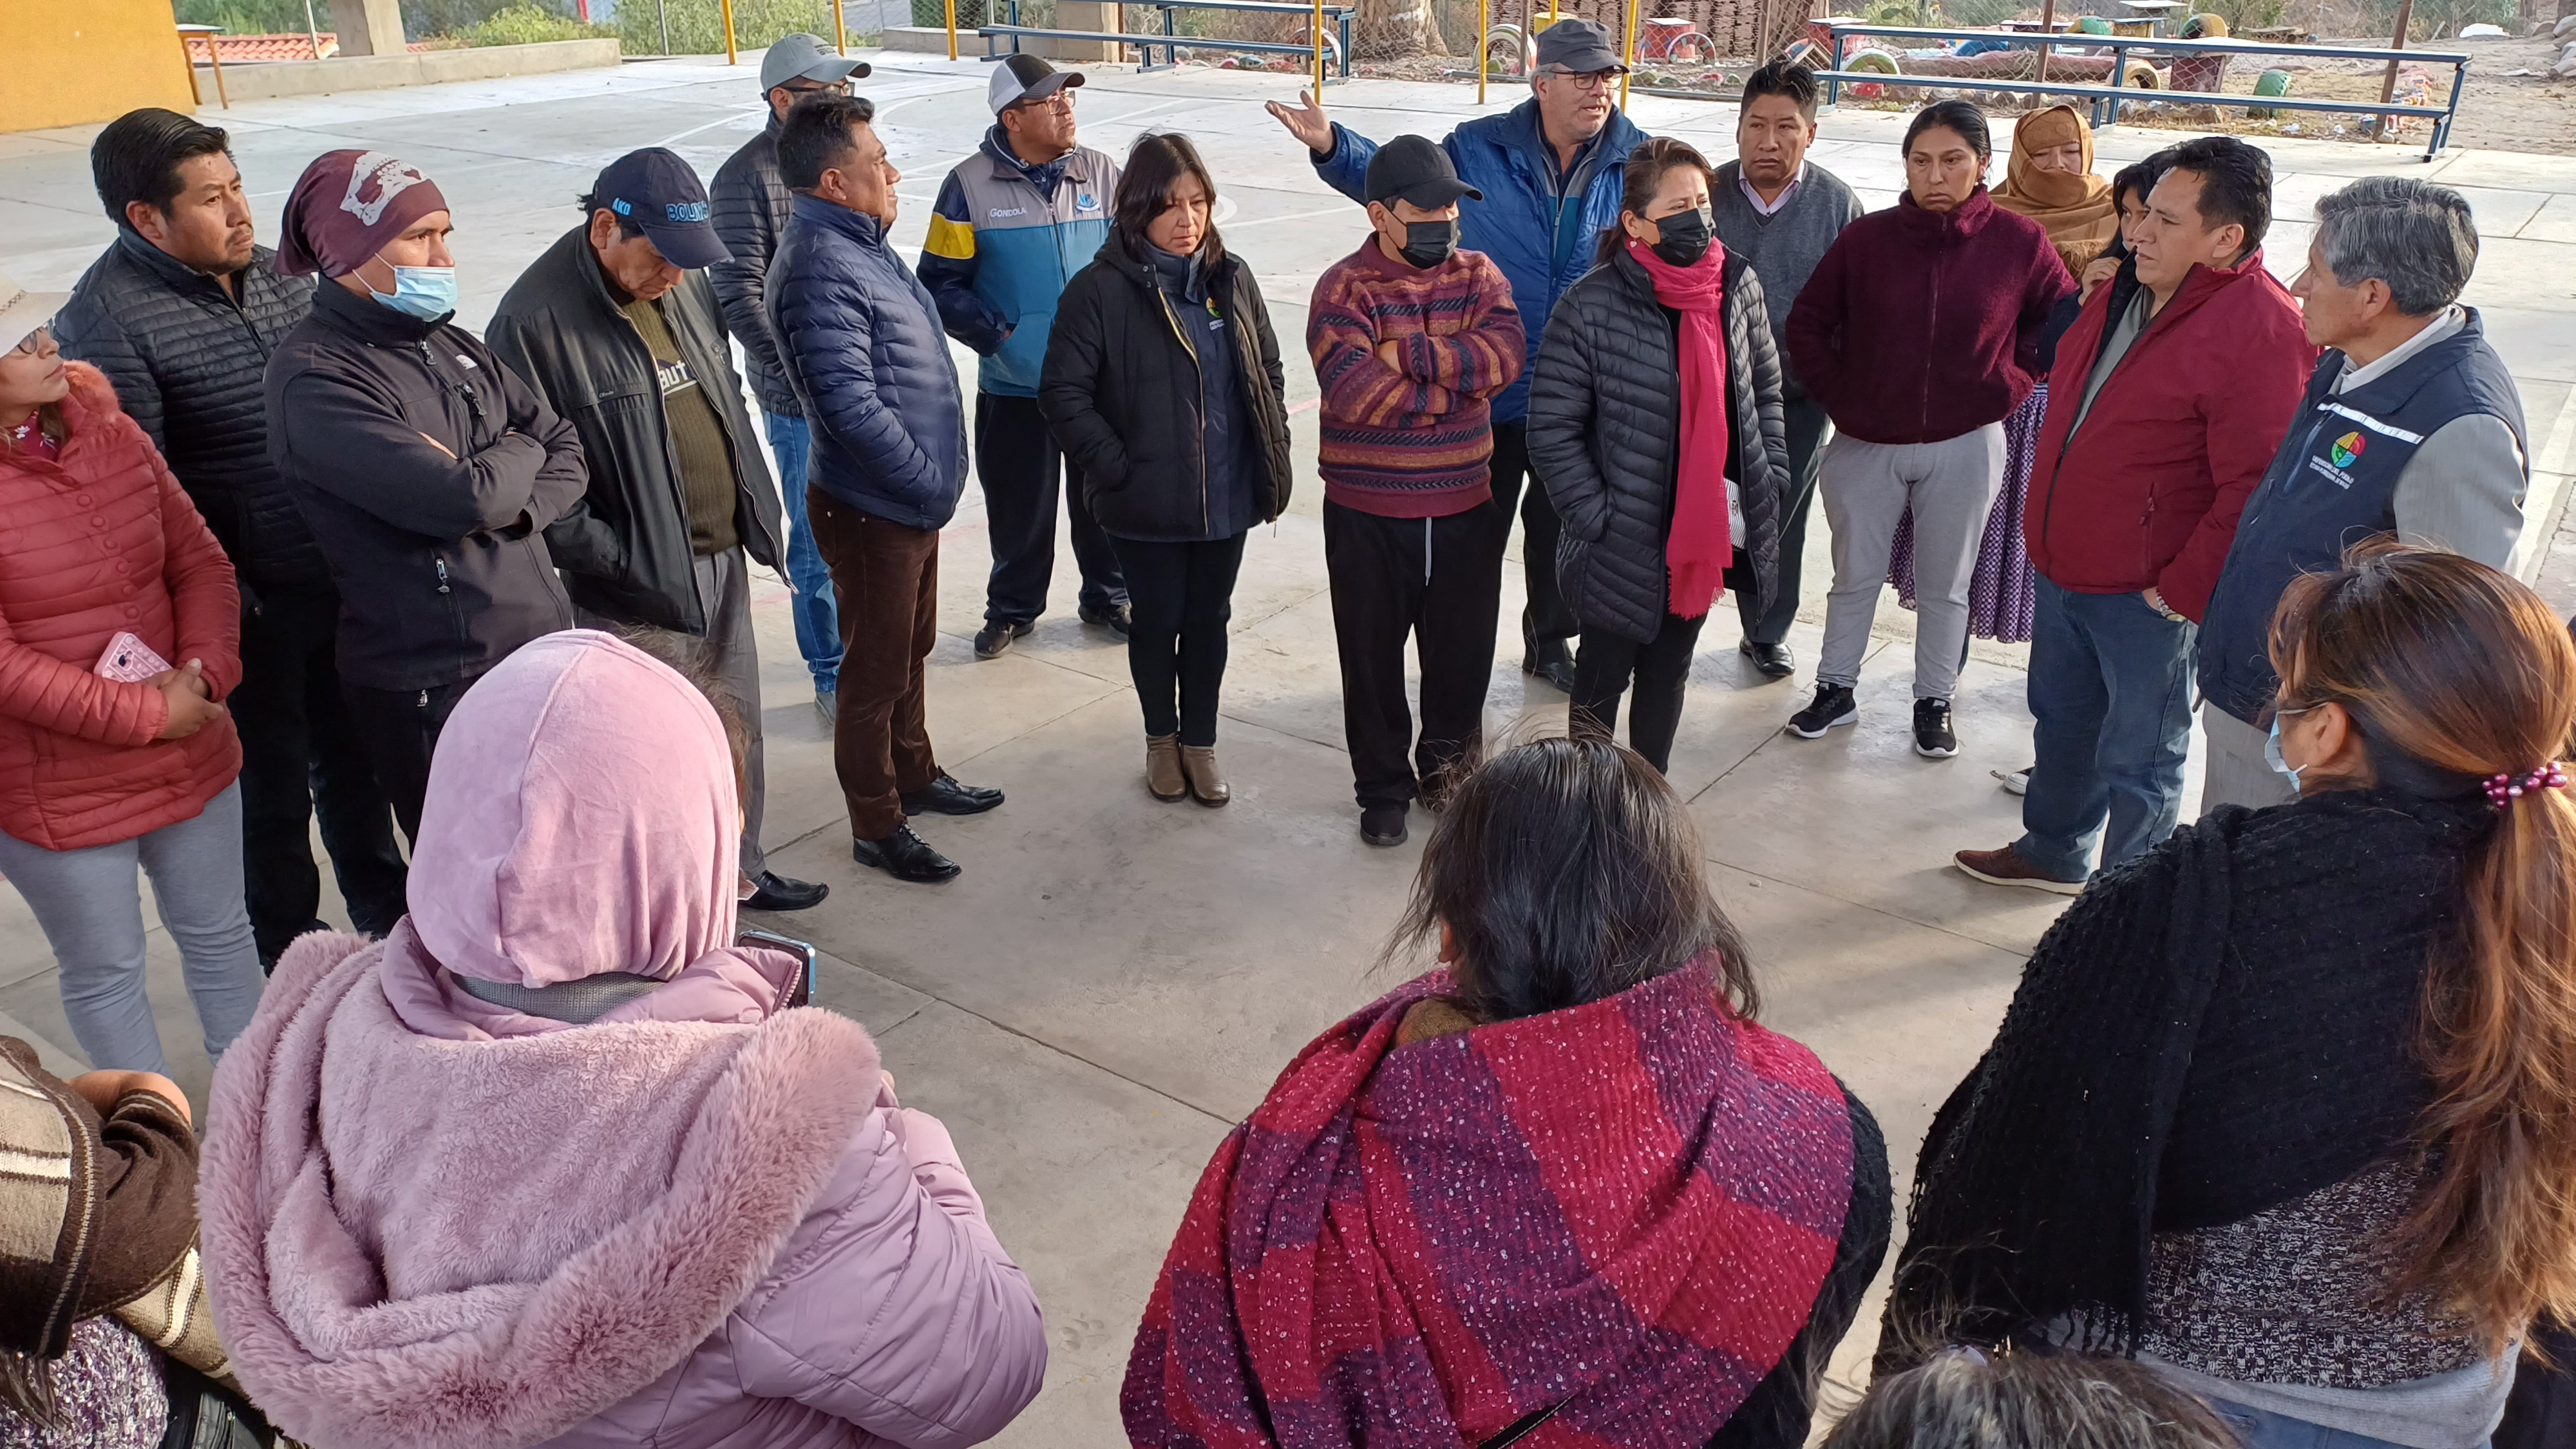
<point x="100" y="543"/>
<point x="2146" y="493"/>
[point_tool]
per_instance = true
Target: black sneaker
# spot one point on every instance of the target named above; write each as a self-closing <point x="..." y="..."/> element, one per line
<point x="946" y="797"/>
<point x="905" y="856"/>
<point x="781" y="893"/>
<point x="1114" y="618"/>
<point x="1383" y="825"/>
<point x="994" y="639"/>
<point x="1933" y="737"/>
<point x="1834" y="707"/>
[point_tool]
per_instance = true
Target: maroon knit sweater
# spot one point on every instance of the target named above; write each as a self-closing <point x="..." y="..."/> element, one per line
<point x="1920" y="325"/>
<point x="1412" y="439"/>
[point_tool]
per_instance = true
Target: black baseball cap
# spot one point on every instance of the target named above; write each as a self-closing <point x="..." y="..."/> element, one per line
<point x="1410" y="168"/>
<point x="659" y="192"/>
<point x="1579" y="47"/>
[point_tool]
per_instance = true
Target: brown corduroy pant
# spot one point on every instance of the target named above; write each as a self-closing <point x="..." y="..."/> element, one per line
<point x="886" y="579"/>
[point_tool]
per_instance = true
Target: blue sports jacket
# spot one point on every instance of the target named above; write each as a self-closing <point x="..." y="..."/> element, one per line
<point x="1004" y="239"/>
<point x="1538" y="227"/>
<point x="860" y="339"/>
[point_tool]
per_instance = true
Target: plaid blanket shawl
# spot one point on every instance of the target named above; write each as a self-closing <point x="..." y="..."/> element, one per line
<point x="1616" y="1216"/>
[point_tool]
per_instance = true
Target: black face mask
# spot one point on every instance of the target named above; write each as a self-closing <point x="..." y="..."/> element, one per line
<point x="1685" y="237"/>
<point x="1429" y="243"/>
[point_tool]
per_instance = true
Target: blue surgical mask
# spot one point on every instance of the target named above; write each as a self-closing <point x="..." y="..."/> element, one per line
<point x="427" y="293"/>
<point x="2272" y="748"/>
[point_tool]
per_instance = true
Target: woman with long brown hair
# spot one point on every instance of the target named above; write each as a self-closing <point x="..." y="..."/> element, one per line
<point x="2288" y="1105"/>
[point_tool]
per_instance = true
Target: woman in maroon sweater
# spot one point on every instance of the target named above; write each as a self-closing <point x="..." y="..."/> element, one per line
<point x="1919" y="332"/>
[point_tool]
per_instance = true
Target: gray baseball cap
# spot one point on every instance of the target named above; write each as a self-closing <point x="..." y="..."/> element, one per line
<point x="805" y="57"/>
<point x="1578" y="45"/>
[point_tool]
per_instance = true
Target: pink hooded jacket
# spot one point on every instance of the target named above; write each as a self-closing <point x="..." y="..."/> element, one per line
<point x="699" y="1220"/>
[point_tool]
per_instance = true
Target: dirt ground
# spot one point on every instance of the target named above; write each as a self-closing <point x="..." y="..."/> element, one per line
<point x="2499" y="110"/>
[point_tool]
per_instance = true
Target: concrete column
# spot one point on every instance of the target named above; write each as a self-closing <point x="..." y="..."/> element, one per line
<point x="368" y="27"/>
<point x="1083" y="15"/>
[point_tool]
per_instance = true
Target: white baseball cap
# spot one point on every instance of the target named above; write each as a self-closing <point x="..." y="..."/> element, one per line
<point x="1024" y="77"/>
<point x="22" y="311"/>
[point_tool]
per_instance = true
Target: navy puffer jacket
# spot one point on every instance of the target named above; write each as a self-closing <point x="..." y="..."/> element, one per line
<point x="1605" y="433"/>
<point x="186" y="358"/>
<point x="861" y="341"/>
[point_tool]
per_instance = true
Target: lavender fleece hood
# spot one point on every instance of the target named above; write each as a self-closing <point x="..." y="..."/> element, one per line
<point x="433" y="1222"/>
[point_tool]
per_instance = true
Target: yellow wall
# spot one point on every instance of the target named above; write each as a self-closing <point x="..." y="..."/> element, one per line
<point x="72" y="62"/>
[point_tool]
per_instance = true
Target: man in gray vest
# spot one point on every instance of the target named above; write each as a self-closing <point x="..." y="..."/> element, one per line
<point x="1012" y="224"/>
<point x="1779" y="211"/>
<point x="2411" y="425"/>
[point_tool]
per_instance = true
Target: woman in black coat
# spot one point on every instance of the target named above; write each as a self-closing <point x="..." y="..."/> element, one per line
<point x="1666" y="315"/>
<point x="1162" y="384"/>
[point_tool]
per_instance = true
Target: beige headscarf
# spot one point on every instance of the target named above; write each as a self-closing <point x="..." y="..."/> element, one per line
<point x="2077" y="207"/>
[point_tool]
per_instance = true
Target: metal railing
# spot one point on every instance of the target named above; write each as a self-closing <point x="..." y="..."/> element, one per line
<point x="2107" y="99"/>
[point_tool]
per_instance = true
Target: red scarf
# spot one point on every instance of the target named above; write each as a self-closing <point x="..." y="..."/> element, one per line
<point x="1701" y="545"/>
<point x="1622" y="1211"/>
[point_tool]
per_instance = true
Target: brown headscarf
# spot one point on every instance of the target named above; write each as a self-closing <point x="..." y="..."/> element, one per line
<point x="346" y="206"/>
<point x="2077" y="207"/>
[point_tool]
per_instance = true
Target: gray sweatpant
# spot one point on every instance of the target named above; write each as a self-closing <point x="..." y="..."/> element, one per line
<point x="91" y="908"/>
<point x="1951" y="486"/>
<point x="2236" y="773"/>
<point x="724" y="591"/>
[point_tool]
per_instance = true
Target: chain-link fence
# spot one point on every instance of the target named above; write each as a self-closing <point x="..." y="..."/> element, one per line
<point x="696" y="27"/>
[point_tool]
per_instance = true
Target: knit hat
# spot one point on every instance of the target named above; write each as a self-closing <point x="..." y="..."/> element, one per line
<point x="346" y="206"/>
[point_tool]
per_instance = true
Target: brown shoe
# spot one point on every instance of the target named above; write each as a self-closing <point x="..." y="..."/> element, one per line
<point x="1207" y="782"/>
<point x="1163" y="767"/>
<point x="2005" y="867"/>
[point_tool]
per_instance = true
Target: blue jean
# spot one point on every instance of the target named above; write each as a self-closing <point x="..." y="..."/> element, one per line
<point x="90" y="906"/>
<point x="818" y="624"/>
<point x="2110" y="691"/>
<point x="2263" y="1429"/>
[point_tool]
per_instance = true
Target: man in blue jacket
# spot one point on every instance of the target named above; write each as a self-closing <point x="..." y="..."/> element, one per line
<point x="860" y="340"/>
<point x="1551" y="171"/>
<point x="1013" y="223"/>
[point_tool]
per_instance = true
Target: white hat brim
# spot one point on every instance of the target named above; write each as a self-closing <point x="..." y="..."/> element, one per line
<point x="22" y="312"/>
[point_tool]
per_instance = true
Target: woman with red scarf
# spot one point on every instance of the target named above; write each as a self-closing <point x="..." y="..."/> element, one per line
<point x="1561" y="1193"/>
<point x="1656" y="421"/>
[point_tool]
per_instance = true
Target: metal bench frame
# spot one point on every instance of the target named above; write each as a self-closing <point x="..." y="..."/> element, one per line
<point x="1171" y="41"/>
<point x="2106" y="99"/>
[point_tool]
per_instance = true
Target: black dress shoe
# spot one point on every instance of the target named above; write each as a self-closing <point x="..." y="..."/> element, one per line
<point x="1114" y="618"/>
<point x="778" y="893"/>
<point x="1550" y="660"/>
<point x="946" y="797"/>
<point x="905" y="856"/>
<point x="996" y="636"/>
<point x="1774" y="660"/>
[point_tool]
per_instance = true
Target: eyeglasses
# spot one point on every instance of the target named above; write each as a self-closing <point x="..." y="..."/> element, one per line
<point x="1062" y="101"/>
<point x="1596" y="80"/>
<point x="35" y="343"/>
<point x="819" y="88"/>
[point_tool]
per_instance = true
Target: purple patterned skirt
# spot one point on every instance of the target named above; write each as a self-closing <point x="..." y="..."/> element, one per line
<point x="2000" y="595"/>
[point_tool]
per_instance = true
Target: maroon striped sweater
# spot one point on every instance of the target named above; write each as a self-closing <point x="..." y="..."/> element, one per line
<point x="1413" y="438"/>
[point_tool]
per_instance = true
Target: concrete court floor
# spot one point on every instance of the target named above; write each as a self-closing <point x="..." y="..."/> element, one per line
<point x="1113" y="982"/>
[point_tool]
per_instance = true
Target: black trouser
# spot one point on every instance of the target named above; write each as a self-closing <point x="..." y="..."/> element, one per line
<point x="1022" y="469"/>
<point x="1179" y="597"/>
<point x="1545" y="616"/>
<point x="299" y="758"/>
<point x="1807" y="425"/>
<point x="399" y="728"/>
<point x="1439" y="580"/>
<point x="1661" y="668"/>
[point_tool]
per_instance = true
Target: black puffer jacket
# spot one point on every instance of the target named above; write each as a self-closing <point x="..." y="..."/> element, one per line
<point x="1121" y="393"/>
<point x="185" y="358"/>
<point x="1605" y="432"/>
<point x="751" y="206"/>
<point x="627" y="555"/>
<point x="428" y="471"/>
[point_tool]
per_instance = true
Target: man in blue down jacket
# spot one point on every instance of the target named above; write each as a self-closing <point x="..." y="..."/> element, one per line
<point x="861" y="342"/>
<point x="1551" y="170"/>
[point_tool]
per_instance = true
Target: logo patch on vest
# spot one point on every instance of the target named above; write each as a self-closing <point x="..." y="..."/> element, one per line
<point x="1085" y="201"/>
<point x="2348" y="449"/>
<point x="1001" y="211"/>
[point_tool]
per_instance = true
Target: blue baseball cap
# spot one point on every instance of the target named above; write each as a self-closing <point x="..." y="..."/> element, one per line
<point x="661" y="193"/>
